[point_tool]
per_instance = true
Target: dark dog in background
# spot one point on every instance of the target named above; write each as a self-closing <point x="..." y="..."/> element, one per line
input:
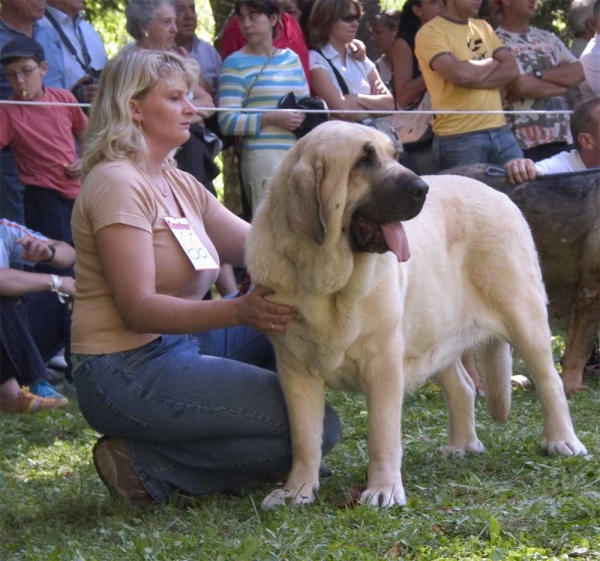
<point x="563" y="212"/>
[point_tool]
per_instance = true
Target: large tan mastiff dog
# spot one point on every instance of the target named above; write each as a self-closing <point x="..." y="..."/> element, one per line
<point x="378" y="318"/>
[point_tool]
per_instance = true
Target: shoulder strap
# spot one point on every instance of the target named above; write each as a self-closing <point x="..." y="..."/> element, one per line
<point x="66" y="41"/>
<point x="340" y="78"/>
<point x="249" y="90"/>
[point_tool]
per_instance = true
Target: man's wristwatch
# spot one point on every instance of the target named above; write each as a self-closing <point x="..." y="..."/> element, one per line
<point x="538" y="74"/>
<point x="52" y="254"/>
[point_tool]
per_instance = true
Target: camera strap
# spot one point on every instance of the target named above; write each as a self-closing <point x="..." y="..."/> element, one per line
<point x="86" y="55"/>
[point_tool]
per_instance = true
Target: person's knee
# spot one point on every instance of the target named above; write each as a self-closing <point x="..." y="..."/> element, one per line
<point x="331" y="429"/>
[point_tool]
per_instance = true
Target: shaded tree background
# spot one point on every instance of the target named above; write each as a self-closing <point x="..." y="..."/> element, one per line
<point x="108" y="18"/>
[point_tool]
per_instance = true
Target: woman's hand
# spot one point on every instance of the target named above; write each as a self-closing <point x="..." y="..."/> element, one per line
<point x="259" y="313"/>
<point x="287" y="120"/>
<point x="358" y="50"/>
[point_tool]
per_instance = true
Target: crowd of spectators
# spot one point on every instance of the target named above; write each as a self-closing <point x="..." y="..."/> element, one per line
<point x="110" y="188"/>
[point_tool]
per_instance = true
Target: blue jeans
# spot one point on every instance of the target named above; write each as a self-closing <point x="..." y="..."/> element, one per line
<point x="32" y="330"/>
<point x="420" y="161"/>
<point x="201" y="413"/>
<point x="11" y="190"/>
<point x="496" y="146"/>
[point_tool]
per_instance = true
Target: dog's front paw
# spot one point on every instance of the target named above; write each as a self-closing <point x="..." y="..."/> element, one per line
<point x="472" y="447"/>
<point x="385" y="496"/>
<point x="567" y="447"/>
<point x="305" y="495"/>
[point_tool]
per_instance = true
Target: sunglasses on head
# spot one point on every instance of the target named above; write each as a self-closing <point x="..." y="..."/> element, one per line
<point x="350" y="18"/>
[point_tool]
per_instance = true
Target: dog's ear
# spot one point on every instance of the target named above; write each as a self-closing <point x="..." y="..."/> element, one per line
<point x="305" y="206"/>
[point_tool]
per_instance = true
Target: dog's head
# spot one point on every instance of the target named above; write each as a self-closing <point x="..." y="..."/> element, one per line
<point x="343" y="181"/>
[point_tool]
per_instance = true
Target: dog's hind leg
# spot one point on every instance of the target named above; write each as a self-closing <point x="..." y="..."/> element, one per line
<point x="459" y="393"/>
<point x="496" y="364"/>
<point x="529" y="333"/>
<point x="305" y="399"/>
<point x="582" y="332"/>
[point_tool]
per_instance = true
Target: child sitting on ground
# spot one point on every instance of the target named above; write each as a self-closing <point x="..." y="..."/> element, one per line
<point x="41" y="138"/>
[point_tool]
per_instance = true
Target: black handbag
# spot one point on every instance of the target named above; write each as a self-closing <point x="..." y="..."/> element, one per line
<point x="312" y="120"/>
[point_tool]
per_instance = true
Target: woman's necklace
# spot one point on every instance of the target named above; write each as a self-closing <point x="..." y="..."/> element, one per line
<point x="162" y="186"/>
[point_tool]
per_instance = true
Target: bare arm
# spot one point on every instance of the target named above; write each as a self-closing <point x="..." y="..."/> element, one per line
<point x="529" y="86"/>
<point x="128" y="263"/>
<point x="18" y="283"/>
<point x="380" y="98"/>
<point x="39" y="251"/>
<point x="566" y="74"/>
<point x="407" y="89"/>
<point x="203" y="99"/>
<point x="228" y="234"/>
<point x="323" y="87"/>
<point x="480" y="74"/>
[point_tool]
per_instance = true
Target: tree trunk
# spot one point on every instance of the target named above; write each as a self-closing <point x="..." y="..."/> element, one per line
<point x="222" y="11"/>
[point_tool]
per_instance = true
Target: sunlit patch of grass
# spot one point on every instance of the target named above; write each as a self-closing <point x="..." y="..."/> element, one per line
<point x="510" y="503"/>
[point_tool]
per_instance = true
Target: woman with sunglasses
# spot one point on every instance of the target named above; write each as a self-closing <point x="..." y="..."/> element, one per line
<point x="333" y="26"/>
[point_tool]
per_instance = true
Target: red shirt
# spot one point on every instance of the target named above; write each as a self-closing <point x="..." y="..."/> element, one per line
<point x="41" y="140"/>
<point x="289" y="36"/>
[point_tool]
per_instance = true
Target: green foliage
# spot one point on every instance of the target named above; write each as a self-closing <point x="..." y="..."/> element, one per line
<point x="108" y="17"/>
<point x="552" y="15"/>
<point x="511" y="503"/>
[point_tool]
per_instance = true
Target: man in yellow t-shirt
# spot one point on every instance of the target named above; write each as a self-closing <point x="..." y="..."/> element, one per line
<point x="464" y="64"/>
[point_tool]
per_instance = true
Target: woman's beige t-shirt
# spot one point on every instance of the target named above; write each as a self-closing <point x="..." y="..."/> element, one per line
<point x="120" y="193"/>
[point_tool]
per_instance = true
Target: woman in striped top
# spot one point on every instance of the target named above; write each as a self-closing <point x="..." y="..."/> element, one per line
<point x="257" y="77"/>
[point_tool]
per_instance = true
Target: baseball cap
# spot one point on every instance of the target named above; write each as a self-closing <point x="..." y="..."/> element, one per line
<point x="22" y="47"/>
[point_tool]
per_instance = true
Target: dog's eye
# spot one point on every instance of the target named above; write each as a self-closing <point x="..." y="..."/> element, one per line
<point x="369" y="155"/>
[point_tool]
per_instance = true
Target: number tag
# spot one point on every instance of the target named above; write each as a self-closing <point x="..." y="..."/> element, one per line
<point x="191" y="244"/>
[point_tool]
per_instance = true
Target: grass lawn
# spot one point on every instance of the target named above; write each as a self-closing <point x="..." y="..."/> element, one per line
<point x="509" y="503"/>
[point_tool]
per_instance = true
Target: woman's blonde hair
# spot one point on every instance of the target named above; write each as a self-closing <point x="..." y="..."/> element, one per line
<point x="324" y="14"/>
<point x="112" y="134"/>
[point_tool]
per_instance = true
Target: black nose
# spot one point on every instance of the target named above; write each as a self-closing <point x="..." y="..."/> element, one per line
<point x="417" y="189"/>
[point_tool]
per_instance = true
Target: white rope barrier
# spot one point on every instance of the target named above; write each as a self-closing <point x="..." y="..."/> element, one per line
<point x="334" y="111"/>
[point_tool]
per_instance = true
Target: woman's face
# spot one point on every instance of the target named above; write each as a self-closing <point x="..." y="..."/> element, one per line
<point x="256" y="27"/>
<point x="161" y="32"/>
<point x="383" y="36"/>
<point x="428" y="10"/>
<point x="164" y="115"/>
<point x="344" y="29"/>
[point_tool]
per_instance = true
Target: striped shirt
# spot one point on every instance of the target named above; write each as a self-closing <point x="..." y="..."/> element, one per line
<point x="283" y="74"/>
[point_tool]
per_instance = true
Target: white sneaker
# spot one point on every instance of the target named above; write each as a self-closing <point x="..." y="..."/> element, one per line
<point x="58" y="361"/>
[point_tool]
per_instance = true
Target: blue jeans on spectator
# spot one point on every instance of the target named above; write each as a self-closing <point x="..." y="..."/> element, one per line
<point x="201" y="413"/>
<point x="421" y="161"/>
<point x="496" y="146"/>
<point x="33" y="328"/>
<point x="11" y="190"/>
<point x="48" y="213"/>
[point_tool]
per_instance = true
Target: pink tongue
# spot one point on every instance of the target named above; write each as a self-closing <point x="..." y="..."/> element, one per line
<point x="395" y="237"/>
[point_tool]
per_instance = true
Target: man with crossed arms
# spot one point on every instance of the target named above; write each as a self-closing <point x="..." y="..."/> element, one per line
<point x="464" y="65"/>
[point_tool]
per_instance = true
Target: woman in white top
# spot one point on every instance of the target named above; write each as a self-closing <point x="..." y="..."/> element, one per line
<point x="333" y="26"/>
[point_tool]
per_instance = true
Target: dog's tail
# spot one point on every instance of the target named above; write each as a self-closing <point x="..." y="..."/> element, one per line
<point x="496" y="365"/>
